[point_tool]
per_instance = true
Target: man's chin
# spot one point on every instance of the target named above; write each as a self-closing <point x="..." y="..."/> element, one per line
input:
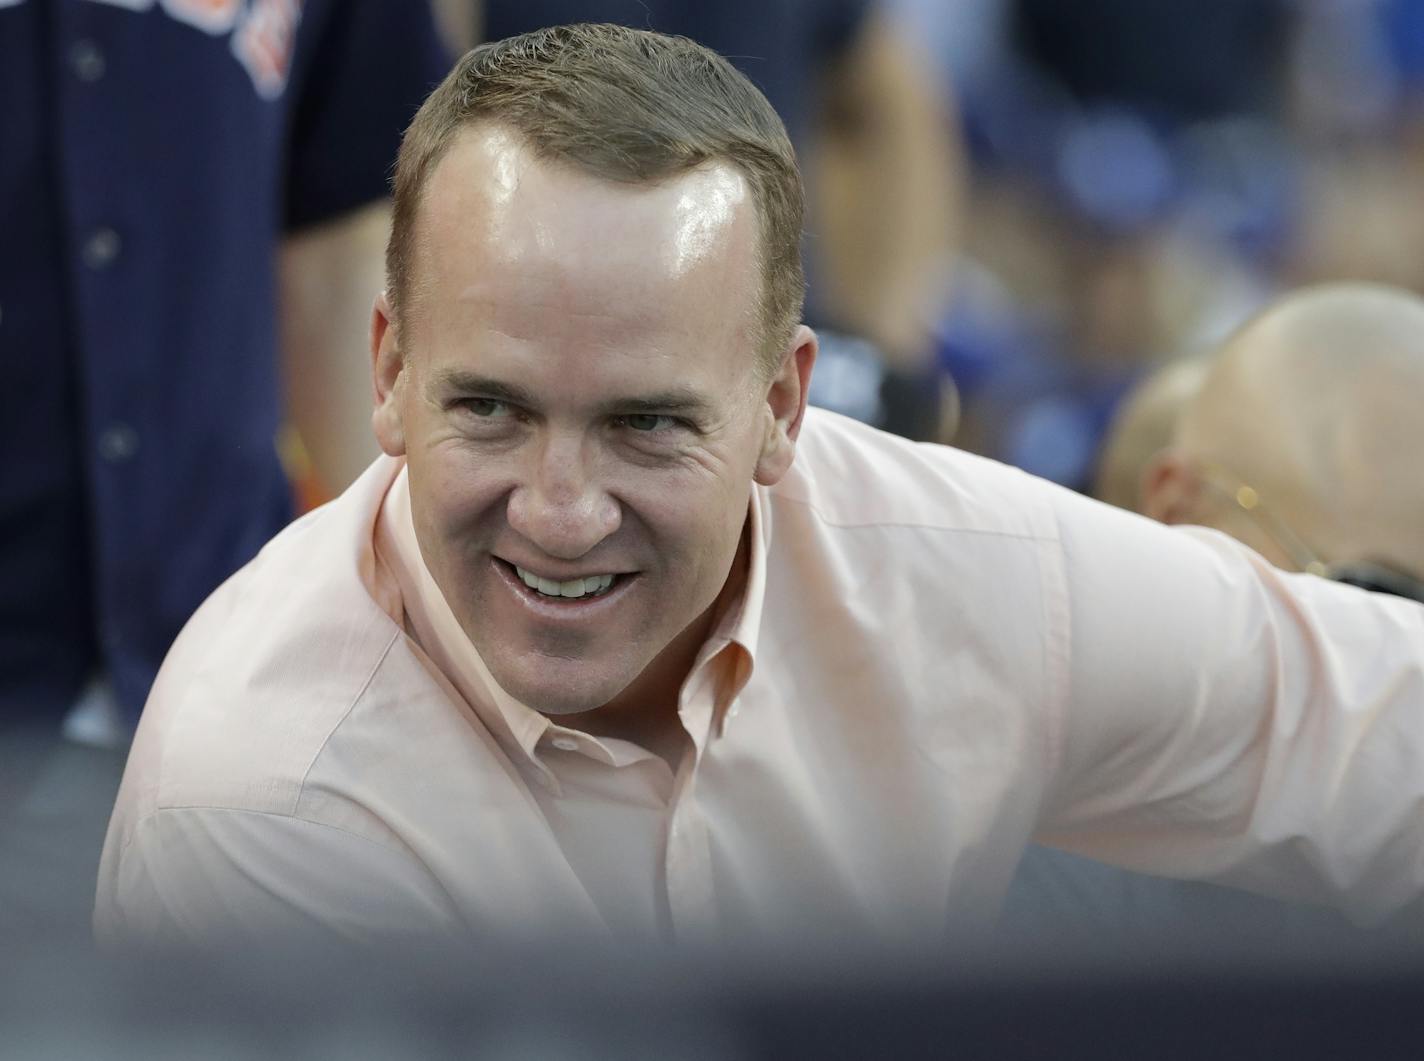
<point x="554" y="693"/>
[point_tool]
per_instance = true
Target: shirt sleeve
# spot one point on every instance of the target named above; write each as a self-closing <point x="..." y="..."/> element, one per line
<point x="1232" y="722"/>
<point x="205" y="876"/>
<point x="363" y="70"/>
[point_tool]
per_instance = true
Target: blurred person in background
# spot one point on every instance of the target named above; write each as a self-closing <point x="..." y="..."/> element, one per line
<point x="620" y="641"/>
<point x="879" y="147"/>
<point x="1132" y="195"/>
<point x="1301" y="437"/>
<point x="1357" y="102"/>
<point x="1304" y="439"/>
<point x="156" y="163"/>
<point x="1142" y="430"/>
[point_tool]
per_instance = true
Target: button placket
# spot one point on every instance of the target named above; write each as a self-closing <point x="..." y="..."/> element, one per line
<point x="689" y="877"/>
<point x="688" y="861"/>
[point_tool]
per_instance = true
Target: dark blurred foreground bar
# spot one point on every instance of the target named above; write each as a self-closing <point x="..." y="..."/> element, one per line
<point x="1355" y="999"/>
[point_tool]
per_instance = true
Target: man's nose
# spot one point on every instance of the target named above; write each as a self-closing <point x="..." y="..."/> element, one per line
<point x="559" y="506"/>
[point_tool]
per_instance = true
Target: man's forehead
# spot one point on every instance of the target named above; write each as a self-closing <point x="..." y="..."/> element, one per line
<point x="527" y="247"/>
<point x="492" y="181"/>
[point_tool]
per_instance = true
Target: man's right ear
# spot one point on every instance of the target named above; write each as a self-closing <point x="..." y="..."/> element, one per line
<point x="388" y="378"/>
<point x="1171" y="488"/>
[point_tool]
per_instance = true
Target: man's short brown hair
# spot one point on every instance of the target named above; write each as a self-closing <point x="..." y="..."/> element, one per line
<point x="624" y="105"/>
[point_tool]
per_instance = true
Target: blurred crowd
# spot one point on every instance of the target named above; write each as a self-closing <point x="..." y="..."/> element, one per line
<point x="1032" y="222"/>
<point x="1146" y="177"/>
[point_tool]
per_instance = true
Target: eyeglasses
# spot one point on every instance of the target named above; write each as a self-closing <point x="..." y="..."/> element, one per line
<point x="1379" y="579"/>
<point x="1247" y="499"/>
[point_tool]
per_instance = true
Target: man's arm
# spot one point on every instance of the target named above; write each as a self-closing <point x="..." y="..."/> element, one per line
<point x="888" y="179"/>
<point x="461" y="23"/>
<point x="1228" y="721"/>
<point x="330" y="274"/>
<point x="344" y="134"/>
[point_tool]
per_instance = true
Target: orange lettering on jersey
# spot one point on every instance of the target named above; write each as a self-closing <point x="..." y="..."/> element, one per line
<point x="265" y="42"/>
<point x="265" y="37"/>
<point x="131" y="5"/>
<point x="210" y="16"/>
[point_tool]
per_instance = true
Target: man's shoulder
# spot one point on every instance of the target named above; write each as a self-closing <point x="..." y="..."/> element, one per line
<point x="272" y="663"/>
<point x="853" y="476"/>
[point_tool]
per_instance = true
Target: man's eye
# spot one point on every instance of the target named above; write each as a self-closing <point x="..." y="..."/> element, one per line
<point x="647" y="422"/>
<point x="487" y="408"/>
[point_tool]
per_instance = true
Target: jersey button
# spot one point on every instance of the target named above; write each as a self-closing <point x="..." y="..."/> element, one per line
<point x="87" y="61"/>
<point x="565" y="744"/>
<point x="101" y="248"/>
<point x="118" y="443"/>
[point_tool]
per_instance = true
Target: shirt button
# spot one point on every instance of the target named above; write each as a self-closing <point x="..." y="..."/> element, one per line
<point x="87" y="61"/>
<point x="565" y="744"/>
<point x="118" y="443"/>
<point x="101" y="248"/>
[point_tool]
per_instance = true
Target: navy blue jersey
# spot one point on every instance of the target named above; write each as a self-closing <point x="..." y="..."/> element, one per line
<point x="152" y="154"/>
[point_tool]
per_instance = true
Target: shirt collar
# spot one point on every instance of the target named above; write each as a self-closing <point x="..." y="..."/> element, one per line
<point x="740" y="624"/>
<point x="517" y="727"/>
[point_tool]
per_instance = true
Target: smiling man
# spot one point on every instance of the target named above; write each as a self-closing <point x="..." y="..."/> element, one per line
<point x="620" y="641"/>
<point x="583" y="390"/>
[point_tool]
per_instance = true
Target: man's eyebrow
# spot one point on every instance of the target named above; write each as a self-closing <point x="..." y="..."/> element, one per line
<point x="462" y="382"/>
<point x="680" y="400"/>
<point x="685" y="402"/>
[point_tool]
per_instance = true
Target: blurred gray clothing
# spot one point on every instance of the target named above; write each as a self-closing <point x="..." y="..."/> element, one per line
<point x="55" y="800"/>
<point x="1087" y="906"/>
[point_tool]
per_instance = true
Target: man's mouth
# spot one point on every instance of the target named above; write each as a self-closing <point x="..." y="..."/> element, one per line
<point x="585" y="588"/>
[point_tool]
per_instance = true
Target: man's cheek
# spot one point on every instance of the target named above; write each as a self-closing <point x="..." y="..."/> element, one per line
<point x="466" y="505"/>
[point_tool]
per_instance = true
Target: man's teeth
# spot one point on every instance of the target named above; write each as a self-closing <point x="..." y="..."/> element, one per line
<point x="575" y="587"/>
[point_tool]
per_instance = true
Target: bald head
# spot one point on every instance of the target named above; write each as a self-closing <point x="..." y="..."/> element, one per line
<point x="1318" y="404"/>
<point x="1144" y="427"/>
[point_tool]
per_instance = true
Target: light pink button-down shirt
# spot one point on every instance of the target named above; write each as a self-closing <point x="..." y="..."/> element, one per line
<point x="934" y="658"/>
